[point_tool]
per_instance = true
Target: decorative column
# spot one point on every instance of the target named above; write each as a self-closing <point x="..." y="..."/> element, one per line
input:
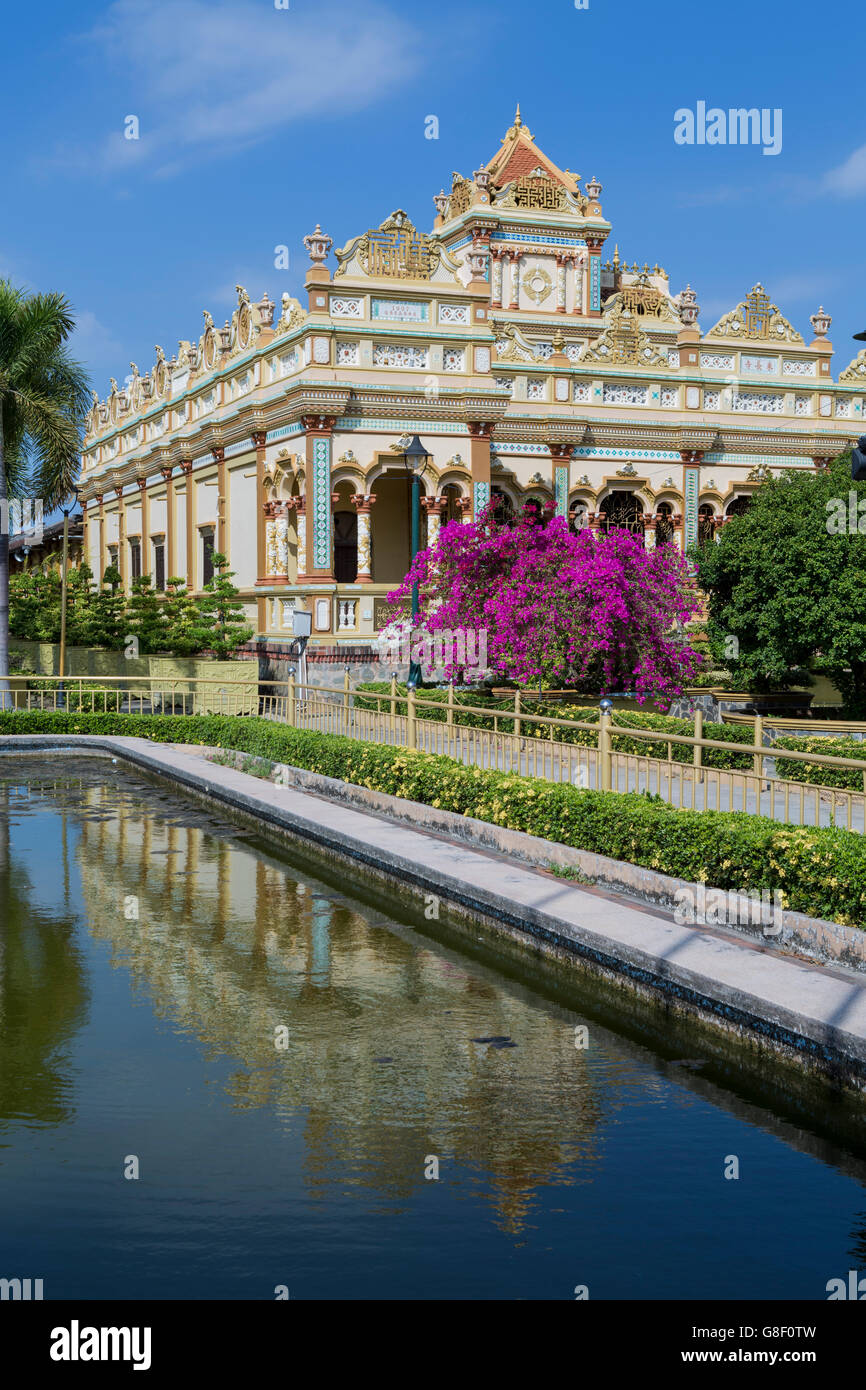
<point x="496" y="279"/>
<point x="219" y="454"/>
<point x="170" y="524"/>
<point x="319" y="563"/>
<point x="300" y="506"/>
<point x="186" y="470"/>
<point x="691" y="488"/>
<point x="281" y="540"/>
<point x="649" y="531"/>
<point x="563" y="260"/>
<point x="121" y="539"/>
<point x="259" y="438"/>
<point x="514" y="257"/>
<point x="434" y="507"/>
<point x="269" y="526"/>
<point x="100" y="545"/>
<point x="677" y="522"/>
<point x="561" y="456"/>
<point x="594" y="245"/>
<point x="480" y="432"/>
<point x="463" y="508"/>
<point x="363" y="503"/>
<point x="145" y="526"/>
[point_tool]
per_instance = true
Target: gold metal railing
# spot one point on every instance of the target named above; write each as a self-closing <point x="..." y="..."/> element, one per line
<point x="510" y="740"/>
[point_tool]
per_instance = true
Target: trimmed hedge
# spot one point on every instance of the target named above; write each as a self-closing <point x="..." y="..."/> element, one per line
<point x="831" y="747"/>
<point x="819" y="871"/>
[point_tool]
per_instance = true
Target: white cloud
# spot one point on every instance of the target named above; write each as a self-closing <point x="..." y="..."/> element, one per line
<point x="848" y="180"/>
<point x="92" y="341"/>
<point x="206" y="77"/>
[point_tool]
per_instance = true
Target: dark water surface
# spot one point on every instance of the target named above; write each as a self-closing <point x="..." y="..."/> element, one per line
<point x="150" y="950"/>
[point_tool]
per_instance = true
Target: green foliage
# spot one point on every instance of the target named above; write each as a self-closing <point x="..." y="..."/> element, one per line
<point x="815" y="773"/>
<point x="786" y="580"/>
<point x="175" y="622"/>
<point x="146" y="619"/>
<point x="34" y="606"/>
<point x="222" y="613"/>
<point x="819" y="871"/>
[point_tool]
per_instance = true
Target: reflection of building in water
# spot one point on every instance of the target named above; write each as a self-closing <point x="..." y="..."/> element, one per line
<point x="230" y="946"/>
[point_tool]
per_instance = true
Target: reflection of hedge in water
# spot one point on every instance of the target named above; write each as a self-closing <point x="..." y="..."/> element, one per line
<point x="818" y="871"/>
<point x="584" y="738"/>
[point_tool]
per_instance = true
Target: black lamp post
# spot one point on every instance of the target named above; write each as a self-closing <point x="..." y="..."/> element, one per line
<point x="415" y="457"/>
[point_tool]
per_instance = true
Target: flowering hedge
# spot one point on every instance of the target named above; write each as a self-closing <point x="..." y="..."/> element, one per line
<point x="818" y="871"/>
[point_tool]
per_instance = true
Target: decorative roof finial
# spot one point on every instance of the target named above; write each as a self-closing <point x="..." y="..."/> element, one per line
<point x="517" y="119"/>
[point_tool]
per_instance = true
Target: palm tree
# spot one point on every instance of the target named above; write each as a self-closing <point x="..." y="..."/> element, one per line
<point x="43" y="402"/>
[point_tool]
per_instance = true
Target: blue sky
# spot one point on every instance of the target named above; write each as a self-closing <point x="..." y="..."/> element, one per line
<point x="258" y="122"/>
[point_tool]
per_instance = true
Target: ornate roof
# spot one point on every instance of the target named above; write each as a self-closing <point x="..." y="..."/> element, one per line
<point x="519" y="156"/>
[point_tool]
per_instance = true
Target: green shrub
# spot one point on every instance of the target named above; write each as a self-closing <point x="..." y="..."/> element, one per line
<point x="813" y="773"/>
<point x="818" y="871"/>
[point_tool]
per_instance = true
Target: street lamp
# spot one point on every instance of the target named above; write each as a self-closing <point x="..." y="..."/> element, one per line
<point x="415" y="457"/>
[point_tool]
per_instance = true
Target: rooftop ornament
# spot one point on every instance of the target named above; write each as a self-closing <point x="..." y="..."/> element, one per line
<point x="318" y="244"/>
<point x="821" y="323"/>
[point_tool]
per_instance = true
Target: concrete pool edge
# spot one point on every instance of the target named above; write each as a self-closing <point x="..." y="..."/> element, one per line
<point x="771" y="1000"/>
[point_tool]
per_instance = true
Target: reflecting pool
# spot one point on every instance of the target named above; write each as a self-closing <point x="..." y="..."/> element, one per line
<point x="287" y="1058"/>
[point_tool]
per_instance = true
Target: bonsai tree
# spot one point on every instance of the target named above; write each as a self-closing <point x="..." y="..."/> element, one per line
<point x="184" y="634"/>
<point x="43" y="403"/>
<point x="221" y="612"/>
<point x="146" y="617"/>
<point x="785" y="585"/>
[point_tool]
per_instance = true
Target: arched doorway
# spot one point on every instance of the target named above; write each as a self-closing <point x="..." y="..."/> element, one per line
<point x="391" y="526"/>
<point x="621" y="511"/>
<point x="537" y="510"/>
<point x="452" y="495"/>
<point x="664" y="523"/>
<point x="345" y="546"/>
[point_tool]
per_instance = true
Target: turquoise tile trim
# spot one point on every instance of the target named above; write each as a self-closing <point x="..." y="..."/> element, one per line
<point x="321" y="504"/>
<point x="561" y="489"/>
<point x="480" y="497"/>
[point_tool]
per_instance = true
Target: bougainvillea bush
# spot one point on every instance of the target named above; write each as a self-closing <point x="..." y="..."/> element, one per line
<point x="599" y="612"/>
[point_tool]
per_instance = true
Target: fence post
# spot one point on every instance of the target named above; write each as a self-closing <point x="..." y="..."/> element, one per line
<point x="290" y="711"/>
<point x="604" y="745"/>
<point x="759" y="743"/>
<point x="517" y="714"/>
<point x="450" y="704"/>
<point x="346" y="698"/>
<point x="393" y="697"/>
<point x="699" y="733"/>
<point x="410" y="722"/>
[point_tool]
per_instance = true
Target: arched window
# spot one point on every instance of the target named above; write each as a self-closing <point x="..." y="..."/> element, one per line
<point x="621" y="511"/>
<point x="664" y="523"/>
<point x="503" y="506"/>
<point x="578" y="515"/>
<point x="739" y="505"/>
<point x="706" y="523"/>
<point x="537" y="510"/>
<point x="452" y="494"/>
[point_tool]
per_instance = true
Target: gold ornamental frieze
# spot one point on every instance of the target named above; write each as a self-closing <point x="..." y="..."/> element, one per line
<point x="624" y="343"/>
<point x="396" y="251"/>
<point x="538" y="192"/>
<point x="757" y="320"/>
<point x="856" y="370"/>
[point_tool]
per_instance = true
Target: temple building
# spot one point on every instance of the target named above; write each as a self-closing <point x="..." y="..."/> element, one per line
<point x="536" y="368"/>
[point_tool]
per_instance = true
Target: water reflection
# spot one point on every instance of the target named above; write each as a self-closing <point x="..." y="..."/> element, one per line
<point x="43" y="991"/>
<point x="231" y="946"/>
